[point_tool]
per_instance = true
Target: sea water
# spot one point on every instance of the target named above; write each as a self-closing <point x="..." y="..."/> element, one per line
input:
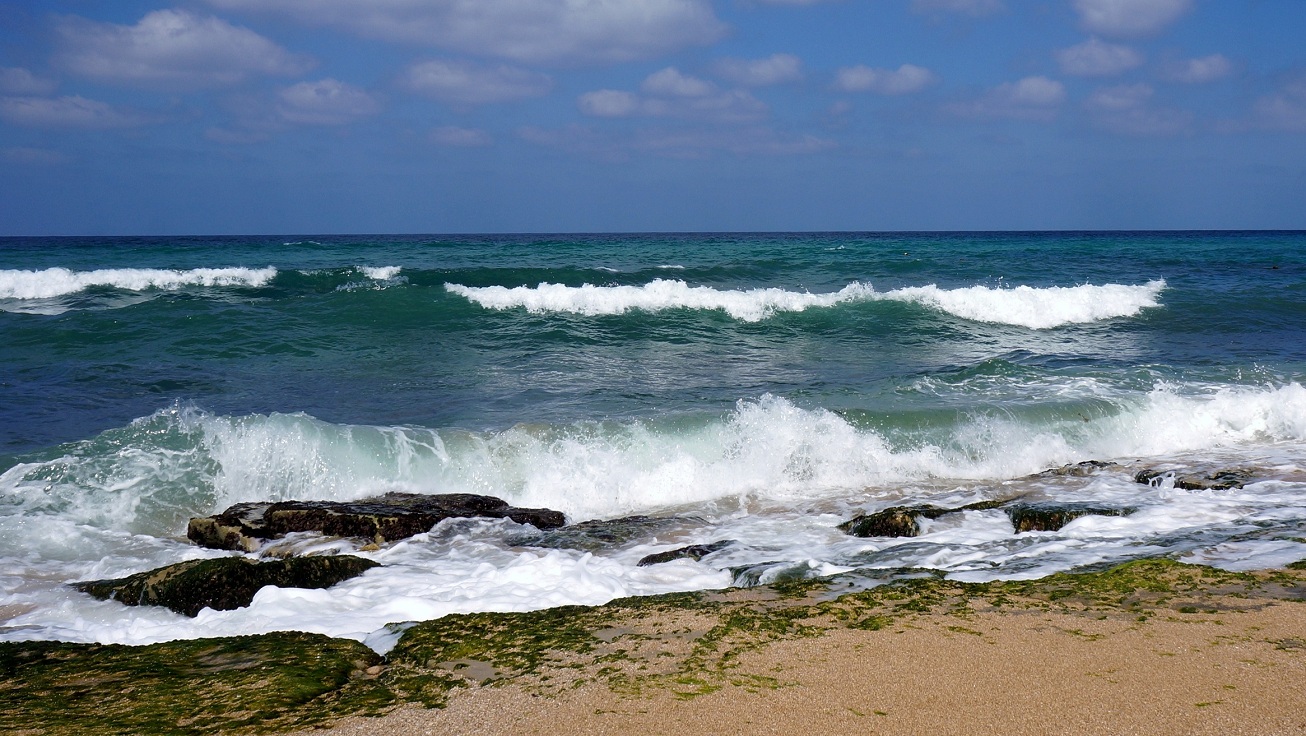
<point x="761" y="388"/>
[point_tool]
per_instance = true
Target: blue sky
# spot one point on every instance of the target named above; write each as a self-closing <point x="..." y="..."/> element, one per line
<point x="326" y="116"/>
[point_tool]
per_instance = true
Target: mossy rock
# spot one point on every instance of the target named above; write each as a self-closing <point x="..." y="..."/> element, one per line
<point x="225" y="583"/>
<point x="1050" y="517"/>
<point x="1217" y="480"/>
<point x="242" y="684"/>
<point x="904" y="521"/>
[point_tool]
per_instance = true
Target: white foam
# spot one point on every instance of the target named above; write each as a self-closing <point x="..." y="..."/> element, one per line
<point x="380" y="273"/>
<point x="137" y="478"/>
<point x="1025" y="306"/>
<point x="54" y="282"/>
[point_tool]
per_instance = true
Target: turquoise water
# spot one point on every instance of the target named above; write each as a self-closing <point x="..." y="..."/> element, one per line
<point x="763" y="387"/>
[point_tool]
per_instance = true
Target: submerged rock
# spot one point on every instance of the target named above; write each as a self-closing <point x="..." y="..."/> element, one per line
<point x="225" y="583"/>
<point x="693" y="552"/>
<point x="1217" y="480"/>
<point x="904" y="521"/>
<point x="592" y="536"/>
<point x="382" y="519"/>
<point x="1077" y="470"/>
<point x="1050" y="517"/>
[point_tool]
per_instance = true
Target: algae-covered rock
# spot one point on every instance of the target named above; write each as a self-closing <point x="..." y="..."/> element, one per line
<point x="903" y="521"/>
<point x="382" y="519"/>
<point x="692" y="552"/>
<point x="592" y="536"/>
<point x="1050" y="517"/>
<point x="225" y="583"/>
<point x="272" y="682"/>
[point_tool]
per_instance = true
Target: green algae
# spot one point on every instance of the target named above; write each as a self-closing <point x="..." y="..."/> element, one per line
<point x="234" y="685"/>
<point x="684" y="645"/>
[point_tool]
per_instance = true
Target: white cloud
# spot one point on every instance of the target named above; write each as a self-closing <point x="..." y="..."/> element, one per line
<point x="618" y="146"/>
<point x="609" y="103"/>
<point x="536" y="31"/>
<point x="1122" y="97"/>
<point x="1129" y="18"/>
<point x="906" y="78"/>
<point x="453" y="136"/>
<point x="464" y="83"/>
<point x="670" y="82"/>
<point x="325" y="102"/>
<point x="1284" y="110"/>
<point x="1094" y="58"/>
<point x="1031" y="98"/>
<point x="18" y="81"/>
<point x="973" y="8"/>
<point x="669" y="93"/>
<point x="774" y="69"/>
<point x="1123" y="110"/>
<point x="1199" y="71"/>
<point x="65" y="112"/>
<point x="172" y="47"/>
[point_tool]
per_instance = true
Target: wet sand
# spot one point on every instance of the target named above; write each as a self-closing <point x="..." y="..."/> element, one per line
<point x="995" y="672"/>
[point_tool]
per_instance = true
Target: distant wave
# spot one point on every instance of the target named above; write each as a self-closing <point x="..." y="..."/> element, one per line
<point x="380" y="273"/>
<point x="55" y="282"/>
<point x="1025" y="306"/>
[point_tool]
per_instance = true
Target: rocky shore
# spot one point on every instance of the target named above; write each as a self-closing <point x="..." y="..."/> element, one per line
<point x="663" y="654"/>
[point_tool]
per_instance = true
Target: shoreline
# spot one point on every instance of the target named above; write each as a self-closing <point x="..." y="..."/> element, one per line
<point x="1153" y="646"/>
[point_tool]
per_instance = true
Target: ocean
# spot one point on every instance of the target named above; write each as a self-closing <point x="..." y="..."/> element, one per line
<point x="758" y="388"/>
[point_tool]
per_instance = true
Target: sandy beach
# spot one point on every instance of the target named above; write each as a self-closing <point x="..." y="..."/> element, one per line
<point x="1230" y="664"/>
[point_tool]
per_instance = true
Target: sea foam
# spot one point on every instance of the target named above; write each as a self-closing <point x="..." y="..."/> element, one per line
<point x="1025" y="306"/>
<point x="55" y="282"/>
<point x="149" y="477"/>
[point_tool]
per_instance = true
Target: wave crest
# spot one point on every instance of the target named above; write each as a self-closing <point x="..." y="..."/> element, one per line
<point x="1024" y="306"/>
<point x="55" y="282"/>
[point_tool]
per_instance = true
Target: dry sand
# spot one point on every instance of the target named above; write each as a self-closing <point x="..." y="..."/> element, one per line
<point x="1006" y="672"/>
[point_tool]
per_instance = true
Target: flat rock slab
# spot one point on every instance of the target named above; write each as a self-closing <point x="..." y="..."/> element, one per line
<point x="225" y="583"/>
<point x="387" y="518"/>
<point x="592" y="536"/>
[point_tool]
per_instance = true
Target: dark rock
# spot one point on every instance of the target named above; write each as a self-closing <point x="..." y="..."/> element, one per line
<point x="592" y="536"/>
<point x="903" y="521"/>
<point x="1050" y="517"/>
<point x="225" y="583"/>
<point x="381" y="519"/>
<point x="1077" y="470"/>
<point x="1218" y="480"/>
<point x="694" y="552"/>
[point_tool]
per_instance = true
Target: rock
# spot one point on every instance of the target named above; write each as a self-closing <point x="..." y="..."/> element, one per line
<point x="592" y="536"/>
<point x="1050" y="517"/>
<point x="902" y="521"/>
<point x="694" y="552"/>
<point x="1077" y="470"/>
<point x="225" y="583"/>
<point x="382" y="519"/>
<point x="1217" y="480"/>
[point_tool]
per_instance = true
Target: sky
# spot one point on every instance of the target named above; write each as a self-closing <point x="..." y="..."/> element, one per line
<point x="457" y="116"/>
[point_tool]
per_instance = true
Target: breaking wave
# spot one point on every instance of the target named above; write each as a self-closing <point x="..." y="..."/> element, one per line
<point x="1024" y="306"/>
